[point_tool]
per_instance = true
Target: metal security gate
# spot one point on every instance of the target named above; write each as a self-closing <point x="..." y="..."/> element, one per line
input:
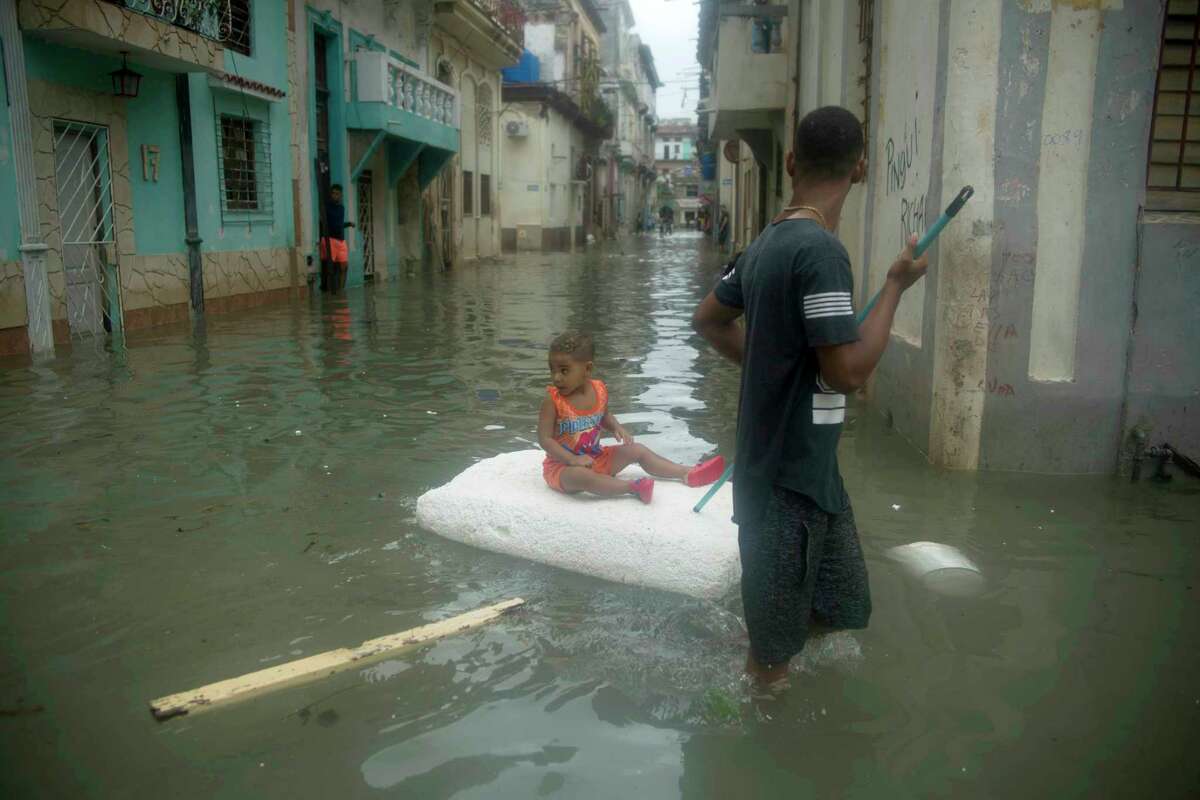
<point x="366" y="222"/>
<point x="83" y="181"/>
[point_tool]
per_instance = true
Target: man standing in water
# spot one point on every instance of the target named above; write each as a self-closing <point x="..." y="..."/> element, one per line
<point x="335" y="256"/>
<point x="801" y="351"/>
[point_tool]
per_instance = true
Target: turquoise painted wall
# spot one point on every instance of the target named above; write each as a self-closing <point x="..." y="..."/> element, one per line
<point x="239" y="231"/>
<point x="10" y="223"/>
<point x="151" y="119"/>
<point x="267" y="61"/>
<point x="267" y="64"/>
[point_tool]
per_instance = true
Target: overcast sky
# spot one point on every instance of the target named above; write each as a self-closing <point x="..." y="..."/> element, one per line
<point x="669" y="27"/>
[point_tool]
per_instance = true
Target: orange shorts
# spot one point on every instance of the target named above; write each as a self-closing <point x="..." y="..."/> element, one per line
<point x="552" y="470"/>
<point x="334" y="250"/>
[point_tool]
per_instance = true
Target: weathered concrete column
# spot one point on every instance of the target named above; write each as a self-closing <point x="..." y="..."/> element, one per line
<point x="965" y="248"/>
<point x="33" y="249"/>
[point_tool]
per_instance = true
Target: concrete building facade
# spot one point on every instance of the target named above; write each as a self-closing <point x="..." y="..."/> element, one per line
<point x="629" y="85"/>
<point x="678" y="167"/>
<point x="1051" y="333"/>
<point x="553" y="122"/>
<point x="471" y="43"/>
<point x="401" y="112"/>
<point x="744" y="51"/>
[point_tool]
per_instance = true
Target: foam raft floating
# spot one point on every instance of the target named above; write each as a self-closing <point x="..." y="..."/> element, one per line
<point x="503" y="505"/>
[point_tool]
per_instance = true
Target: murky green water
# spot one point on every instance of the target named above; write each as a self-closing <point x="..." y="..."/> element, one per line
<point x="201" y="506"/>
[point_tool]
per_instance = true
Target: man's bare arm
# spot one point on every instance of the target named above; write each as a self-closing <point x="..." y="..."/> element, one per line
<point x="718" y="324"/>
<point x="846" y="367"/>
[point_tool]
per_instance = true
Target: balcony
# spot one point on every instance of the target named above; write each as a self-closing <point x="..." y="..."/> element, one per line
<point x="589" y="114"/>
<point x="171" y="35"/>
<point x="396" y="100"/>
<point x="209" y="18"/>
<point x="491" y="30"/>
<point x="750" y="69"/>
<point x="626" y="153"/>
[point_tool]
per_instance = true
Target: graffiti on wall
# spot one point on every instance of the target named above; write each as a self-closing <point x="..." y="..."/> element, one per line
<point x="901" y="155"/>
<point x="902" y="160"/>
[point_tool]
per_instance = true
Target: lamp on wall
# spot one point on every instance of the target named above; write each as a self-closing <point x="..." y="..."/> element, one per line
<point x="125" y="81"/>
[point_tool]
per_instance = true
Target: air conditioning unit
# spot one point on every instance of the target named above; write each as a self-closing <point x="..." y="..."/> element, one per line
<point x="516" y="127"/>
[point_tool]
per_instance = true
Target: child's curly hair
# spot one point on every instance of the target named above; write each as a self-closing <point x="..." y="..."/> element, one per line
<point x="576" y="344"/>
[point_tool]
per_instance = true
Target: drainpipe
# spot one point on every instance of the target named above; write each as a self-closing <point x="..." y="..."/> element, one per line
<point x="795" y="38"/>
<point x="192" y="227"/>
<point x="1139" y="454"/>
<point x="32" y="248"/>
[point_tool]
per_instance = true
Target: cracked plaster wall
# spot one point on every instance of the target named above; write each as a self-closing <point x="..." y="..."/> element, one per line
<point x="135" y="31"/>
<point x="12" y="295"/>
<point x="230" y="272"/>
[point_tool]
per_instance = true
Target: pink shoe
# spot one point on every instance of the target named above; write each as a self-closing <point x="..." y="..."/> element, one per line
<point x="644" y="488"/>
<point x="706" y="473"/>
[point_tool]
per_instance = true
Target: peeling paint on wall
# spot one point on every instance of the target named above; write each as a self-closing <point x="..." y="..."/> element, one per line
<point x="963" y="334"/>
<point x="1064" y="156"/>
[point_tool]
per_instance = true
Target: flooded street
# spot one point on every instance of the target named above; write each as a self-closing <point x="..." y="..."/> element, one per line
<point x="202" y="505"/>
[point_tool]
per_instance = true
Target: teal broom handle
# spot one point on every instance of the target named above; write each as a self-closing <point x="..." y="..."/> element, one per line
<point x="715" y="487"/>
<point x="930" y="235"/>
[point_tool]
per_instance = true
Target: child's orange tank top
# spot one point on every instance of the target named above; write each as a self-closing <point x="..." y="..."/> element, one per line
<point x="579" y="431"/>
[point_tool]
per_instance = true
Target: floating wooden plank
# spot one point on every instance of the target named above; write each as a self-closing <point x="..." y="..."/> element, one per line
<point x="322" y="664"/>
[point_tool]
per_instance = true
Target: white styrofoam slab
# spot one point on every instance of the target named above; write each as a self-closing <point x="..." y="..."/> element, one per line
<point x="502" y="504"/>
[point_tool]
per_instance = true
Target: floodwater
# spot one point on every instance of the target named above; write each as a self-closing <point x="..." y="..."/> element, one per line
<point x="205" y="504"/>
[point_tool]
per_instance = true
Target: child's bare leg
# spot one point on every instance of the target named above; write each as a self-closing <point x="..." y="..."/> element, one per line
<point x="650" y="461"/>
<point x="582" y="479"/>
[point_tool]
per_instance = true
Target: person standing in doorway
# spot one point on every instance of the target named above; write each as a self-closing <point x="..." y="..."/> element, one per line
<point x="801" y="351"/>
<point x="335" y="256"/>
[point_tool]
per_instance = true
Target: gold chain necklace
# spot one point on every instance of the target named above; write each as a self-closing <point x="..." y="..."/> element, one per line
<point x="820" y="216"/>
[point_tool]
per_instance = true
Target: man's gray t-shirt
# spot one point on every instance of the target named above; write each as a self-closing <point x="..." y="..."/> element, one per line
<point x="795" y="285"/>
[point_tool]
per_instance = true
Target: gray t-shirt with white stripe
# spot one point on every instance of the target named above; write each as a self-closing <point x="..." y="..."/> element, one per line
<point x="795" y="285"/>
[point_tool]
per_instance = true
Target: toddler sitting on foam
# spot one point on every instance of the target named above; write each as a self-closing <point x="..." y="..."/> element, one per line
<point x="573" y="416"/>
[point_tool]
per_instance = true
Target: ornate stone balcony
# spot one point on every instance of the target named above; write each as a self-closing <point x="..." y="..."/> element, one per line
<point x="403" y="102"/>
